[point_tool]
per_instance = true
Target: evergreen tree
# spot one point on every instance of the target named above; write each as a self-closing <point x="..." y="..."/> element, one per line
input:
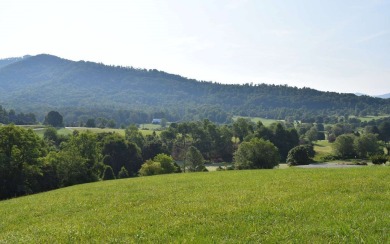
<point x="108" y="173"/>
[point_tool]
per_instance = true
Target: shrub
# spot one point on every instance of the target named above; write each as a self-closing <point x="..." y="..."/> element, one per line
<point x="194" y="160"/>
<point x="299" y="155"/>
<point x="379" y="159"/>
<point x="256" y="154"/>
<point x="123" y="173"/>
<point x="344" y="146"/>
<point x="150" y="168"/>
<point x="108" y="173"/>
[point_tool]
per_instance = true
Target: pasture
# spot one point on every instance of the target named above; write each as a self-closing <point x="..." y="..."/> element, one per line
<point x="265" y="121"/>
<point x="69" y="130"/>
<point x="272" y="206"/>
<point x="322" y="148"/>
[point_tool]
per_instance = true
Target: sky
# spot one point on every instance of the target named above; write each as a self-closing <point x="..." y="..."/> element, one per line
<point x="332" y="45"/>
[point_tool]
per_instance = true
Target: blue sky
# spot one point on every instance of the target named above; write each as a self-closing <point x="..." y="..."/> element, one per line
<point x="331" y="45"/>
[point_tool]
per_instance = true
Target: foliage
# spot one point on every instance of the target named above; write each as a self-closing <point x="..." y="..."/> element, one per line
<point x="194" y="160"/>
<point x="241" y="128"/>
<point x="84" y="90"/>
<point x="256" y="154"/>
<point x="161" y="164"/>
<point x="366" y="145"/>
<point x="166" y="162"/>
<point x="344" y="146"/>
<point x="312" y="134"/>
<point x="54" y="118"/>
<point x="132" y="134"/>
<point x="121" y="154"/>
<point x="108" y="173"/>
<point x="150" y="168"/>
<point x="90" y="123"/>
<point x="300" y="155"/>
<point x="69" y="166"/>
<point x="379" y="159"/>
<point x="384" y="131"/>
<point x="20" y="150"/>
<point x="7" y="117"/>
<point x="123" y="173"/>
<point x="283" y="138"/>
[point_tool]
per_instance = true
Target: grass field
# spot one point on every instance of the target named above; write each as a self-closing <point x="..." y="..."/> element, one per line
<point x="265" y="121"/>
<point x="322" y="149"/>
<point x="370" y="117"/>
<point x="270" y="206"/>
<point x="69" y="130"/>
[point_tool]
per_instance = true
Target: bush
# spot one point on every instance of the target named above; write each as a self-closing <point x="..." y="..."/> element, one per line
<point x="379" y="159"/>
<point x="150" y="168"/>
<point x="123" y="173"/>
<point x="299" y="155"/>
<point x="108" y="173"/>
<point x="256" y="154"/>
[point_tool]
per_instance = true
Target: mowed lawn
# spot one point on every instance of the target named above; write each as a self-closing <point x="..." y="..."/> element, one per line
<point x="293" y="205"/>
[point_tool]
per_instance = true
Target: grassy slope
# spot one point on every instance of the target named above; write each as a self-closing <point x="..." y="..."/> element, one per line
<point x="68" y="131"/>
<point x="293" y="205"/>
<point x="266" y="122"/>
<point x="370" y="117"/>
<point x="322" y="148"/>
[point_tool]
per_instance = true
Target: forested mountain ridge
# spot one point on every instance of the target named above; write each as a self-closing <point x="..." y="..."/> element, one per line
<point x="384" y="96"/>
<point x="45" y="82"/>
<point x="7" y="61"/>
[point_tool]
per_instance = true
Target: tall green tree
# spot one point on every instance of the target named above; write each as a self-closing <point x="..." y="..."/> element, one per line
<point x="344" y="146"/>
<point x="256" y="154"/>
<point x="54" y="119"/>
<point x="367" y="145"/>
<point x="194" y="159"/>
<point x="20" y="167"/>
<point x="132" y="134"/>
<point x="121" y="153"/>
<point x="384" y="131"/>
<point x="300" y="155"/>
<point x="241" y="128"/>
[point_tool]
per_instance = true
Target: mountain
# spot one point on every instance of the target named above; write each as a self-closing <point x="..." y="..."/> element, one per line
<point x="360" y="94"/>
<point x="43" y="82"/>
<point x="7" y="61"/>
<point x="385" y="96"/>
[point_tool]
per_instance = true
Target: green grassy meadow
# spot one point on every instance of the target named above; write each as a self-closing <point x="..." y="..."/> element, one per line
<point x="293" y="205"/>
<point x="67" y="131"/>
<point x="371" y="117"/>
<point x="322" y="149"/>
<point x="266" y="122"/>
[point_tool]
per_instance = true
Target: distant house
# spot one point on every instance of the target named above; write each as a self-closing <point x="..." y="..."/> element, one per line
<point x="156" y="121"/>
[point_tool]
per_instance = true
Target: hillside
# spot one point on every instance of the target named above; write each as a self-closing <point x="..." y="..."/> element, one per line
<point x="385" y="96"/>
<point x="44" y="82"/>
<point x="270" y="206"/>
<point x="7" y="61"/>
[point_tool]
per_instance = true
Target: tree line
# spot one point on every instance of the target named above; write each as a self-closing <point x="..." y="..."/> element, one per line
<point x="30" y="164"/>
<point x="7" y="117"/>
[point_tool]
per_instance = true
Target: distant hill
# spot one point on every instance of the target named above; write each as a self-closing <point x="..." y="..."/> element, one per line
<point x="385" y="96"/>
<point x="7" y="61"/>
<point x="360" y="94"/>
<point x="43" y="82"/>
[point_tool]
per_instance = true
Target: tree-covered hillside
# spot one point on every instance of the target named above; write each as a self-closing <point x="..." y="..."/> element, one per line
<point x="7" y="61"/>
<point x="43" y="82"/>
